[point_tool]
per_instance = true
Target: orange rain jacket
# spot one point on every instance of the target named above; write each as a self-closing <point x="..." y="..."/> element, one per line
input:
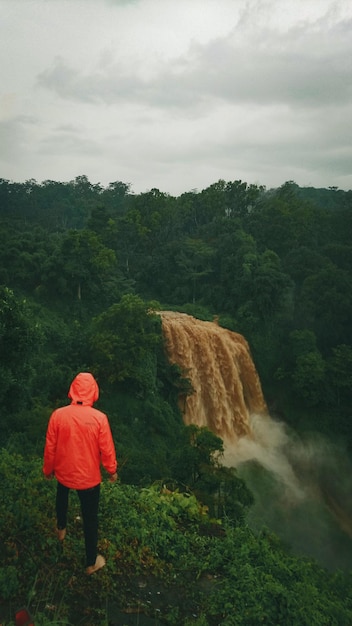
<point x="79" y="439"/>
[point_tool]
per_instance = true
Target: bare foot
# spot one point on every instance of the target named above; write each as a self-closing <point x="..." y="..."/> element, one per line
<point x="99" y="563"/>
<point x="61" y="533"/>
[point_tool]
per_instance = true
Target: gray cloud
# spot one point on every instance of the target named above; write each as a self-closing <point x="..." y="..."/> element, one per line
<point x="303" y="67"/>
<point x="99" y="86"/>
<point x="69" y="141"/>
<point x="279" y="69"/>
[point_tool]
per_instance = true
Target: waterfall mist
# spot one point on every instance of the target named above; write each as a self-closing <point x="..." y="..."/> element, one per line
<point x="302" y="487"/>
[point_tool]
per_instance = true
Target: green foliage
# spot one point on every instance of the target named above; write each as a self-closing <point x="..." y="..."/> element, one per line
<point x="199" y="450"/>
<point x="340" y="371"/>
<point x="124" y="339"/>
<point x="308" y="377"/>
<point x="18" y="334"/>
<point x="164" y="556"/>
<point x="196" y="462"/>
<point x="326" y="303"/>
<point x="80" y="268"/>
<point x="194" y="263"/>
<point x="8" y="582"/>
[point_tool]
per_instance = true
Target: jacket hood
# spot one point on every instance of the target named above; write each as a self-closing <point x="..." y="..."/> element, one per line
<point x="84" y="389"/>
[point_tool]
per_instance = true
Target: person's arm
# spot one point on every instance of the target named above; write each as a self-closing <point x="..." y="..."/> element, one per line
<point x="50" y="448"/>
<point x="107" y="450"/>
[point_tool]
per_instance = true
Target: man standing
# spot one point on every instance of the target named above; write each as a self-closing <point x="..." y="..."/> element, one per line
<point x="78" y="442"/>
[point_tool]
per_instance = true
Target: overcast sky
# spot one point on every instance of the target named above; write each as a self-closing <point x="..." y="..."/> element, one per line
<point x="177" y="94"/>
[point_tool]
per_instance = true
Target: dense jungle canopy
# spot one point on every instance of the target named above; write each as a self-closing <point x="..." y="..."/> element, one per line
<point x="83" y="268"/>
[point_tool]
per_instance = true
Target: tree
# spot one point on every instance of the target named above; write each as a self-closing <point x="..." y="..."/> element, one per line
<point x="201" y="450"/>
<point x="196" y="462"/>
<point x="267" y="285"/>
<point x="124" y="340"/>
<point x="127" y="236"/>
<point x="194" y="262"/>
<point x="283" y="221"/>
<point x="80" y="267"/>
<point x="325" y="306"/>
<point x="18" y="340"/>
<point x="308" y="377"/>
<point x="241" y="198"/>
<point x="339" y="367"/>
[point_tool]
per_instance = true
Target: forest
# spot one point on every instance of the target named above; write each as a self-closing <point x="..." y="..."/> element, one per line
<point x="83" y="271"/>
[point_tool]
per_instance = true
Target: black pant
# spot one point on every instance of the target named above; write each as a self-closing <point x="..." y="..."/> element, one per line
<point x="89" y="499"/>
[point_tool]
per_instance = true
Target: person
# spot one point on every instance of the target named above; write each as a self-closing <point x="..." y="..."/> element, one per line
<point x="78" y="442"/>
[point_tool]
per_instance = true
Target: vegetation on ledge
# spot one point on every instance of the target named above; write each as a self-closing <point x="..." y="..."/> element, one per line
<point x="168" y="562"/>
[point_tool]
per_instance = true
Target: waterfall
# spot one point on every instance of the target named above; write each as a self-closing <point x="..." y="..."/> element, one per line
<point x="227" y="396"/>
<point x="217" y="361"/>
<point x="306" y="487"/>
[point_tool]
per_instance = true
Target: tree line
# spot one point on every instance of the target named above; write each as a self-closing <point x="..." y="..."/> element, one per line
<point x="274" y="265"/>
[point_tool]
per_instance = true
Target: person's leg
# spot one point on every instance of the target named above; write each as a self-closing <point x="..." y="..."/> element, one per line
<point x="89" y="499"/>
<point x="61" y="509"/>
